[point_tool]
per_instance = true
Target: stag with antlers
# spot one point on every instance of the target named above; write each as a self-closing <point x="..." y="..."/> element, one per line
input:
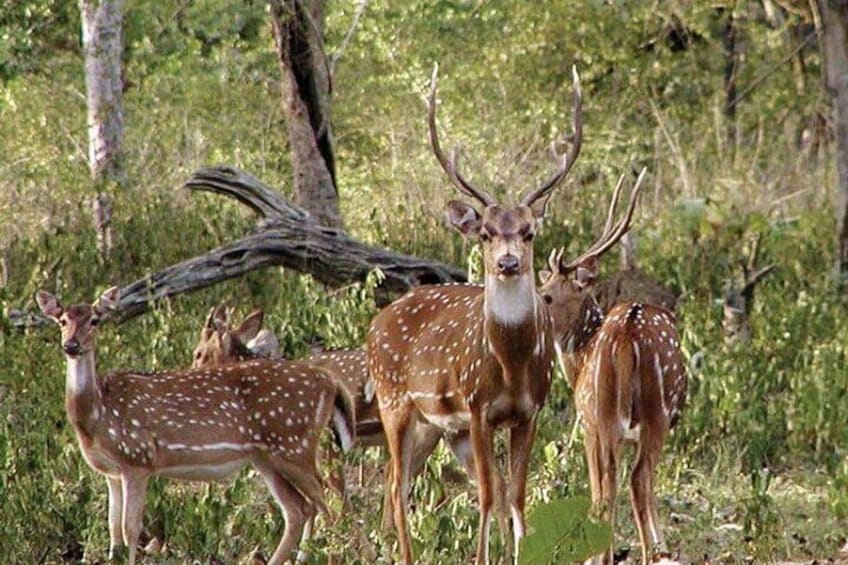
<point x="458" y="360"/>
<point x="627" y="374"/>
<point x="197" y="424"/>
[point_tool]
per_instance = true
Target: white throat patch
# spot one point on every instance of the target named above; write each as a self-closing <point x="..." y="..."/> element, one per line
<point x="510" y="302"/>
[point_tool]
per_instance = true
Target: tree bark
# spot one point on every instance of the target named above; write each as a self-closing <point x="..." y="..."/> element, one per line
<point x="287" y="236"/>
<point x="102" y="46"/>
<point x="306" y="84"/>
<point x="834" y="14"/>
<point x="730" y="40"/>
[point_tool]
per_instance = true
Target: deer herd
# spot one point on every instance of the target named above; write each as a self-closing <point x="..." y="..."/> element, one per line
<point x="456" y="362"/>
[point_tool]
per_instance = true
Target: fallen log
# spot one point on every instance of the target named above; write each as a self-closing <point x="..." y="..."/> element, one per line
<point x="286" y="236"/>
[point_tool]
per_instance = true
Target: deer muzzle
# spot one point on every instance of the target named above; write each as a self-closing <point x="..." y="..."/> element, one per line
<point x="72" y="347"/>
<point x="508" y="265"/>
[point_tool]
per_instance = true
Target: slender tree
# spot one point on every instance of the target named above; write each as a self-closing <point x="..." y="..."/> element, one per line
<point x="306" y="85"/>
<point x="102" y="47"/>
<point x="834" y="16"/>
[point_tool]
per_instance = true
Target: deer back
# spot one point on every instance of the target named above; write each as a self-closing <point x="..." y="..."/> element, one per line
<point x="157" y="419"/>
<point x="632" y="369"/>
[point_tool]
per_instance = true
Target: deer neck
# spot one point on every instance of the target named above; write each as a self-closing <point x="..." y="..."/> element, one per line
<point x="510" y="320"/>
<point x="82" y="397"/>
<point x="510" y="302"/>
<point x="573" y="345"/>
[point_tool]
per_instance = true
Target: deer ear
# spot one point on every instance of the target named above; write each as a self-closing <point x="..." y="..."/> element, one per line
<point x="220" y="326"/>
<point x="251" y="325"/>
<point x="219" y="312"/>
<point x="107" y="302"/>
<point x="544" y="275"/>
<point x="49" y="305"/>
<point x="463" y="217"/>
<point x="586" y="272"/>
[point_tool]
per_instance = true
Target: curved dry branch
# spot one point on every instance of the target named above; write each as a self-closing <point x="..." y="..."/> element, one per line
<point x="288" y="236"/>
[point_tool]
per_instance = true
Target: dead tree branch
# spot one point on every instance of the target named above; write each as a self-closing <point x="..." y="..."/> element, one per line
<point x="287" y="236"/>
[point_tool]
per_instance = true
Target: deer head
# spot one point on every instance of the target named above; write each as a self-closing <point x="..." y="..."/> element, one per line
<point x="566" y="287"/>
<point x="221" y="344"/>
<point x="506" y="233"/>
<point x="79" y="322"/>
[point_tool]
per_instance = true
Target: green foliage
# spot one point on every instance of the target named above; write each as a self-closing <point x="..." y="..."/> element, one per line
<point x="561" y="531"/>
<point x="762" y="443"/>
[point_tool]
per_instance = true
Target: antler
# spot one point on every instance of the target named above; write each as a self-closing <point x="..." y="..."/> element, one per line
<point x="565" y="161"/>
<point x="449" y="165"/>
<point x="611" y="234"/>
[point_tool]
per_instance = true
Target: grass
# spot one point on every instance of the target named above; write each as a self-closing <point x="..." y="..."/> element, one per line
<point x="756" y="470"/>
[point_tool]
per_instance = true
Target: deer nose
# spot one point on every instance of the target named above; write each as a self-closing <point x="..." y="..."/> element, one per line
<point x="72" y="347"/>
<point x="508" y="265"/>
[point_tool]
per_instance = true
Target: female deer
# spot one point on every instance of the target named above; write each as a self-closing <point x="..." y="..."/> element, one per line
<point x="200" y="424"/>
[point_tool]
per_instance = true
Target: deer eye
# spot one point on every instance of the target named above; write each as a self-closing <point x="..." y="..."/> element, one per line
<point x="63" y="322"/>
<point x="527" y="235"/>
<point x="94" y="321"/>
<point x="547" y="298"/>
<point x="485" y="237"/>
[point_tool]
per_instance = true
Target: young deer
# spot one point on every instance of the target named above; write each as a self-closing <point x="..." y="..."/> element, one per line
<point x="221" y="342"/>
<point x="627" y="374"/>
<point x="199" y="424"/>
<point x="458" y="360"/>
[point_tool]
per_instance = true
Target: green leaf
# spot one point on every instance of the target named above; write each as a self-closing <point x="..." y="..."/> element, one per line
<point x="563" y="529"/>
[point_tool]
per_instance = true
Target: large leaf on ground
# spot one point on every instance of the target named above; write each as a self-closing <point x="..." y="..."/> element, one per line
<point x="562" y="530"/>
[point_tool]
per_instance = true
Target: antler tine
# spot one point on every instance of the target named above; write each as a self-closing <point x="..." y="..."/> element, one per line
<point x="566" y="161"/>
<point x="554" y="259"/>
<point x="613" y="205"/>
<point x="449" y="166"/>
<point x="605" y="242"/>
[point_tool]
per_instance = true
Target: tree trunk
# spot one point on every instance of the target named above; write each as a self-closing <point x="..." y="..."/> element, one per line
<point x="306" y="84"/>
<point x="288" y="236"/>
<point x="834" y="14"/>
<point x="102" y="45"/>
<point x="730" y="40"/>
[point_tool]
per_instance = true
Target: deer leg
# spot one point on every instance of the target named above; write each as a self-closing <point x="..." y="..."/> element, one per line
<point x="640" y="493"/>
<point x="426" y="439"/>
<point x="460" y="446"/>
<point x="296" y="512"/>
<point x="594" y="466"/>
<point x="483" y="447"/>
<point x="388" y="507"/>
<point x="654" y="530"/>
<point x="304" y="538"/>
<point x="400" y="428"/>
<point x="116" y="505"/>
<point x="134" y="488"/>
<point x="520" y="443"/>
<point x="609" y="484"/>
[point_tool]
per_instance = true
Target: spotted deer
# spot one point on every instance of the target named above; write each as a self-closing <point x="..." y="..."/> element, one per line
<point x="627" y="374"/>
<point x="222" y="342"/>
<point x="458" y="360"/>
<point x="197" y="424"/>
